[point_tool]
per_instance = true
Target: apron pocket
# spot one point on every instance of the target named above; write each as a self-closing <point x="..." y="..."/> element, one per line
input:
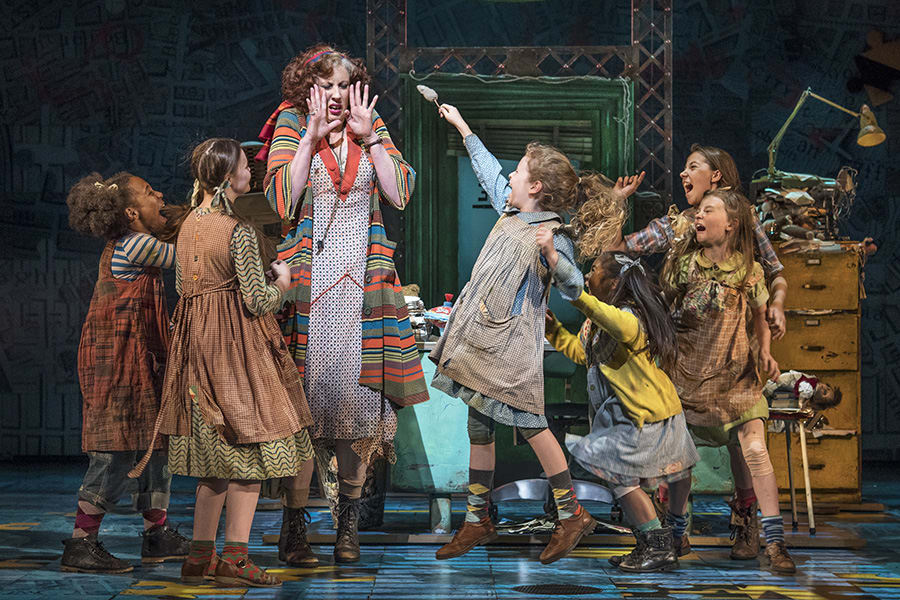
<point x="488" y="334"/>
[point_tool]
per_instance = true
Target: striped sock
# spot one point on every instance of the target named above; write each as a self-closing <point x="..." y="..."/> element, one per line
<point x="480" y="484"/>
<point x="678" y="523"/>
<point x="773" y="527"/>
<point x="87" y="519"/>
<point x="154" y="516"/>
<point x="201" y="551"/>
<point x="564" y="494"/>
<point x="649" y="525"/>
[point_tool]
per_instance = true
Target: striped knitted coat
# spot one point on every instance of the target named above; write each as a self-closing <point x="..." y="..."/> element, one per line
<point x="390" y="359"/>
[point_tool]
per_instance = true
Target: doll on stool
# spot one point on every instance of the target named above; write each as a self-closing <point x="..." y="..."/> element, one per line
<point x="794" y="389"/>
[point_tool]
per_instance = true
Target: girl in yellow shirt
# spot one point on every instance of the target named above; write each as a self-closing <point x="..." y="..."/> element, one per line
<point x="638" y="434"/>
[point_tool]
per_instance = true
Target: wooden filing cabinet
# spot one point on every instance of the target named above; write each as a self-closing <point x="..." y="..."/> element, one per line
<point x="823" y="339"/>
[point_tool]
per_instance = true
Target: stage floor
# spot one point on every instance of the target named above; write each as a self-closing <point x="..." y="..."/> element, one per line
<point x="37" y="511"/>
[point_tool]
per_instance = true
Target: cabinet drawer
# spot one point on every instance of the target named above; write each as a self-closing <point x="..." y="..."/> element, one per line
<point x="821" y="281"/>
<point x="833" y="462"/>
<point x="821" y="342"/>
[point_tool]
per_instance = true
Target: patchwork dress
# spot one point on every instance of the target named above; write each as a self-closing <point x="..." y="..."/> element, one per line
<point x="716" y="373"/>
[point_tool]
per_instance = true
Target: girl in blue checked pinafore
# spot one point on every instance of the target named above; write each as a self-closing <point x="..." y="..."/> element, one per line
<point x="491" y="353"/>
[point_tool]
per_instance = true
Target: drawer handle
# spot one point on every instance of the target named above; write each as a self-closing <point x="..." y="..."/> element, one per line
<point x="814" y="286"/>
<point x="813" y="261"/>
<point x="812" y="348"/>
<point x="812" y="322"/>
<point x="816" y="466"/>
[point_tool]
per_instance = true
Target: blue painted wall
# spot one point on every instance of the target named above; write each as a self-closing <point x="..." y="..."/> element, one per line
<point x="109" y="85"/>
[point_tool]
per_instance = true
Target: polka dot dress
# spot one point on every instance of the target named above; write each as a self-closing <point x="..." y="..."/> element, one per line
<point x="341" y="408"/>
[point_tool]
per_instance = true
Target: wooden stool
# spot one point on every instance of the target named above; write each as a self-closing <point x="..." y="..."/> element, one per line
<point x="790" y="418"/>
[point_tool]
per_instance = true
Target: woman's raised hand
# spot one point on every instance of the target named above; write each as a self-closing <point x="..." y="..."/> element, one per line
<point x="317" y="126"/>
<point x="360" y="121"/>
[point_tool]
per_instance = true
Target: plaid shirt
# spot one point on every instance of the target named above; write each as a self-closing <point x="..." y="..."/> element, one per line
<point x="657" y="237"/>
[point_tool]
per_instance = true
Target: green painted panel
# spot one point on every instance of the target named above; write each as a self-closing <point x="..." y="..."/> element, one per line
<point x="712" y="475"/>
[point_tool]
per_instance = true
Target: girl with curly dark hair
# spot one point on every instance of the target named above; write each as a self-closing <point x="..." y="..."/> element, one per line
<point x="123" y="349"/>
<point x="332" y="163"/>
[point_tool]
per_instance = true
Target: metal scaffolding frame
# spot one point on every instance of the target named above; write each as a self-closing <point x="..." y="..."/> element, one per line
<point x="647" y="61"/>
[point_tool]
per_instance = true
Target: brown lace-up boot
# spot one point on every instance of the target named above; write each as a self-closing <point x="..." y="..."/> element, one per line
<point x="293" y="548"/>
<point x="744" y="531"/>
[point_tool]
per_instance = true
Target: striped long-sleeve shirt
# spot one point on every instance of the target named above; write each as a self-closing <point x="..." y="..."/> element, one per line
<point x="135" y="252"/>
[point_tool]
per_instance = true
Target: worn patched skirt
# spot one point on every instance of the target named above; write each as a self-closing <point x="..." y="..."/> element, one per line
<point x="206" y="455"/>
<point x="618" y="451"/>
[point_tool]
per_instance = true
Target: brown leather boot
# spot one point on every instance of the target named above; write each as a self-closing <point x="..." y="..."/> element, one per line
<point x="467" y="537"/>
<point x="346" y="546"/>
<point x="744" y="531"/>
<point x="567" y="534"/>
<point x="293" y="548"/>
<point x="779" y="559"/>
<point x="682" y="545"/>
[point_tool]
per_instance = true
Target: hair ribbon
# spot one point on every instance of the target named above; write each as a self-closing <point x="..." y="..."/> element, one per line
<point x="628" y="263"/>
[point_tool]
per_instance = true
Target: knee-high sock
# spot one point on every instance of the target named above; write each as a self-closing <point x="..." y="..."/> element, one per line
<point x="480" y="484"/>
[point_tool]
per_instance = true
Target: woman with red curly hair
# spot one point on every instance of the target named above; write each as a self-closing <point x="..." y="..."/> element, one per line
<point x="331" y="162"/>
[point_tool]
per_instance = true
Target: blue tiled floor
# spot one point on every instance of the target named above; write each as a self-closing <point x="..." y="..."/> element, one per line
<point x="37" y="504"/>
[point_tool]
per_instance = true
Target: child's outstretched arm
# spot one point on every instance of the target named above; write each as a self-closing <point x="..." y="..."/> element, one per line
<point x="487" y="168"/>
<point x="563" y="340"/>
<point x="620" y="324"/>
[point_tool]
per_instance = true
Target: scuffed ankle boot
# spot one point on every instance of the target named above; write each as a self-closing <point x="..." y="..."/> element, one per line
<point x="657" y="555"/>
<point x="346" y="545"/>
<point x="640" y="543"/>
<point x="87" y="555"/>
<point x="744" y="531"/>
<point x="779" y="559"/>
<point x="162" y="543"/>
<point x="293" y="547"/>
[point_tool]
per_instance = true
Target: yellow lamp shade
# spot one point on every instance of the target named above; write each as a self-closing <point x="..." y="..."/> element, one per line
<point x="870" y="134"/>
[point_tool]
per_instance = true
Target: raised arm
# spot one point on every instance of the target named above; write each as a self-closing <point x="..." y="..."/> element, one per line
<point x="486" y="166"/>
<point x="393" y="175"/>
<point x="293" y="145"/>
<point x="656" y="237"/>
